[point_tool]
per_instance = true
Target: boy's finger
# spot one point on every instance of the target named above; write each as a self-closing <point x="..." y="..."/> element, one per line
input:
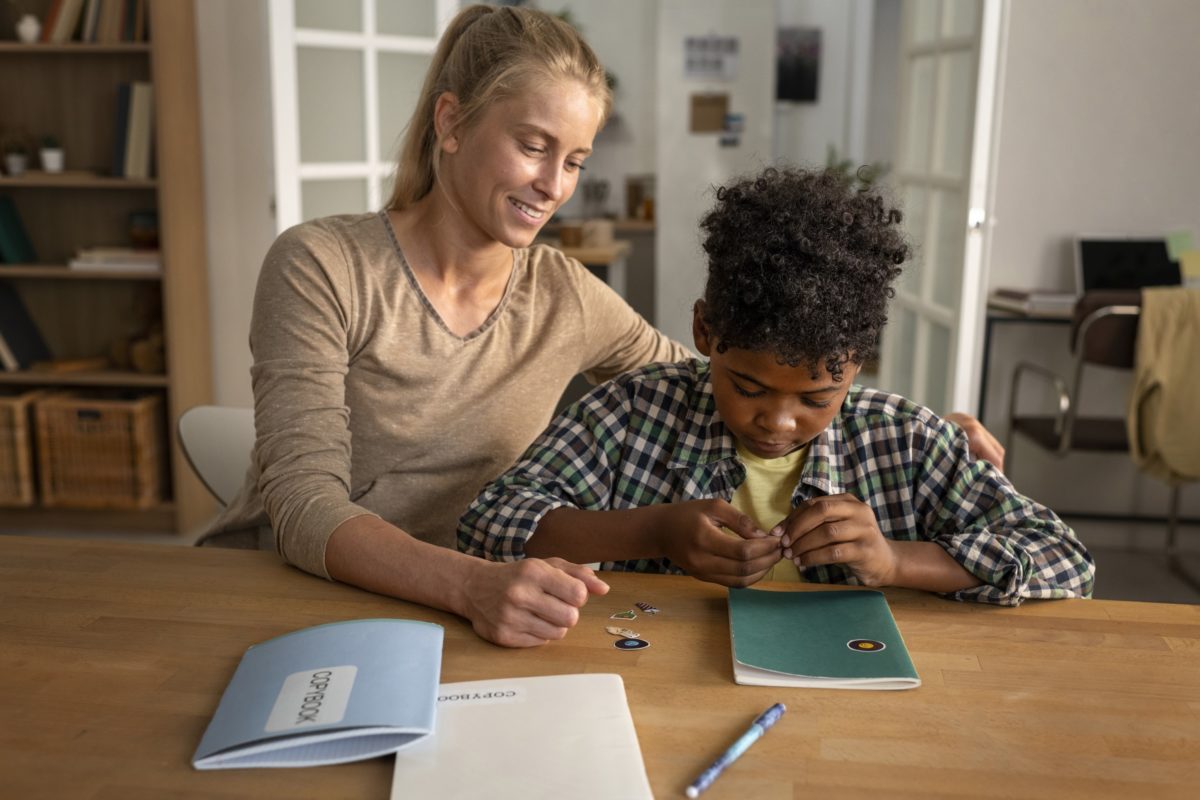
<point x="836" y="553"/>
<point x="729" y="517"/>
<point x="811" y="514"/>
<point x="734" y="548"/>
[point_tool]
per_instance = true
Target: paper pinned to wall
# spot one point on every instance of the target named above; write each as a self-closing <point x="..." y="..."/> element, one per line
<point x="1179" y="242"/>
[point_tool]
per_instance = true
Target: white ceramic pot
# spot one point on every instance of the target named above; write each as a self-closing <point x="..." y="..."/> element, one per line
<point x="15" y="163"/>
<point x="52" y="159"/>
<point x="28" y="28"/>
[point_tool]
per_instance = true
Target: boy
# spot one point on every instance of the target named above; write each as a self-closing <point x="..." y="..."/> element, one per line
<point x="816" y="478"/>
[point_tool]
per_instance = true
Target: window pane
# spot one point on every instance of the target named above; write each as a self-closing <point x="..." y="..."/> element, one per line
<point x="332" y="105"/>
<point x="949" y="211"/>
<point x="925" y="20"/>
<point x="319" y="198"/>
<point x="901" y="344"/>
<point x="960" y="17"/>
<point x="329" y="15"/>
<point x="937" y="376"/>
<point x="916" y="213"/>
<point x="400" y="79"/>
<point x="406" y="17"/>
<point x="920" y="122"/>
<point x="956" y="114"/>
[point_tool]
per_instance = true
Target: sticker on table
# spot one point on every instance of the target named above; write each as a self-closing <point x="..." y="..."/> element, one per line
<point x="649" y="609"/>
<point x="630" y="644"/>
<point x="631" y="614"/>
<point x="622" y="632"/>
<point x="866" y="645"/>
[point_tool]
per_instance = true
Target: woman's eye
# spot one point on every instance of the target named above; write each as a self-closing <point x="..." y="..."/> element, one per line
<point x="532" y="149"/>
<point x="575" y="166"/>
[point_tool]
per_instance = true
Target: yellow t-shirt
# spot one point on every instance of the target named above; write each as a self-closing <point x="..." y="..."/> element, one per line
<point x="766" y="497"/>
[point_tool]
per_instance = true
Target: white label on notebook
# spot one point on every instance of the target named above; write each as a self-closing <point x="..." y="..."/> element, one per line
<point x="311" y="698"/>
<point x="485" y="697"/>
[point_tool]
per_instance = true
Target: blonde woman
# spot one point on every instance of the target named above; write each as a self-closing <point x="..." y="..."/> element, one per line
<point x="403" y="359"/>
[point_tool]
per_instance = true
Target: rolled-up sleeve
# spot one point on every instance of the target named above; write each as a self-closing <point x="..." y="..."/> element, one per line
<point x="1017" y="547"/>
<point x="299" y="338"/>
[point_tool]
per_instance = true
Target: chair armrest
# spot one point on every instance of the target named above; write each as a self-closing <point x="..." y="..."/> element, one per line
<point x="1064" y="415"/>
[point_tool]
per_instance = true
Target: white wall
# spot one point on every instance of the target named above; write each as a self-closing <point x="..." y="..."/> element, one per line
<point x="236" y="125"/>
<point x="804" y="131"/>
<point x="623" y="33"/>
<point x="1098" y="133"/>
<point x="690" y="164"/>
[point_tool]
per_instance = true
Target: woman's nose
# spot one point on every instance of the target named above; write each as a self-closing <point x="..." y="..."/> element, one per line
<point x="551" y="182"/>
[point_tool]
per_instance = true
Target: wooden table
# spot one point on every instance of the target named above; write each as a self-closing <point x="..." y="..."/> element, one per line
<point x="114" y="656"/>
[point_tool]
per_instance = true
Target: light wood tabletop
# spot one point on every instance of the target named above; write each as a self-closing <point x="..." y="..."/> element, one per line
<point x="114" y="657"/>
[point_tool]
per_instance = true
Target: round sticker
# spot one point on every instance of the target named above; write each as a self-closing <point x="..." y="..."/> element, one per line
<point x="865" y="645"/>
<point x="630" y="644"/>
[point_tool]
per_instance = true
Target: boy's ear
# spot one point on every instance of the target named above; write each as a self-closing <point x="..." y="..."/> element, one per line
<point x="445" y="118"/>
<point x="700" y="333"/>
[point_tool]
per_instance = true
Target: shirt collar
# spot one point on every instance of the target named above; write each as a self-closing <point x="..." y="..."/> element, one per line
<point x="703" y="437"/>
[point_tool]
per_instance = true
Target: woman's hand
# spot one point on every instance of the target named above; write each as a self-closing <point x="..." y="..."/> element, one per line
<point x="690" y="534"/>
<point x="982" y="443"/>
<point x="530" y="602"/>
<point x="839" y="529"/>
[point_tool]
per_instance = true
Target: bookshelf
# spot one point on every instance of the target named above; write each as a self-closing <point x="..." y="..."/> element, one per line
<point x="69" y="90"/>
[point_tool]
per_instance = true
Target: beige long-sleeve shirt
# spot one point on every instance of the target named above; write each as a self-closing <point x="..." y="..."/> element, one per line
<point x="366" y="403"/>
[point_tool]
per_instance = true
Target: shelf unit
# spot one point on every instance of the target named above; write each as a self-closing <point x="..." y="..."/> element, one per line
<point x="69" y="90"/>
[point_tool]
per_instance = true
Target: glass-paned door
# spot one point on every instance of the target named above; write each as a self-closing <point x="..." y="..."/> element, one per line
<point x="928" y="351"/>
<point x="345" y="76"/>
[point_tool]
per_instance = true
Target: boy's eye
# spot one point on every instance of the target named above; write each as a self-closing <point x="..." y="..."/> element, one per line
<point x="816" y="404"/>
<point x="746" y="392"/>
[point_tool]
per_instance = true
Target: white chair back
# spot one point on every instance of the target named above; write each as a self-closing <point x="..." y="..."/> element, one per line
<point x="217" y="441"/>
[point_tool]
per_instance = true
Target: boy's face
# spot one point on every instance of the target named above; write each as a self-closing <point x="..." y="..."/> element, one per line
<point x="772" y="409"/>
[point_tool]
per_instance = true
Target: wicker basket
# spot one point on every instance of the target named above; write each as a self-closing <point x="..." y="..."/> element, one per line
<point x="16" y="449"/>
<point x="100" y="453"/>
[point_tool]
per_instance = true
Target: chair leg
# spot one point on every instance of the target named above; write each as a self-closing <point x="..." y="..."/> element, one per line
<point x="1174" y="561"/>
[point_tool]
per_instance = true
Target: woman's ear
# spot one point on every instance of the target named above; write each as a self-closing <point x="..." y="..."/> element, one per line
<point x="700" y="332"/>
<point x="445" y="122"/>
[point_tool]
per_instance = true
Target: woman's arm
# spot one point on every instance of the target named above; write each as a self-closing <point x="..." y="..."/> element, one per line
<point x="517" y="604"/>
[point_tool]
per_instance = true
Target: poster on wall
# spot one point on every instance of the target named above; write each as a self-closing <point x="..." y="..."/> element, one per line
<point x="710" y="58"/>
<point x="798" y="64"/>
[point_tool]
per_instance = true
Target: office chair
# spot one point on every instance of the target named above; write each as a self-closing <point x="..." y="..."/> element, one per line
<point x="1104" y="329"/>
<point x="217" y="442"/>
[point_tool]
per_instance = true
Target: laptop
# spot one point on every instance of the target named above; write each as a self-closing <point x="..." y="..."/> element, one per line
<point x="1123" y="262"/>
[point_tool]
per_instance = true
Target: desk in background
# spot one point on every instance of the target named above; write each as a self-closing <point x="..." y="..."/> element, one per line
<point x="1003" y="316"/>
<point x="114" y="657"/>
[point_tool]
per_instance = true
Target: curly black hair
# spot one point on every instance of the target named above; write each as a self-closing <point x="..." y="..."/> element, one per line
<point x="801" y="264"/>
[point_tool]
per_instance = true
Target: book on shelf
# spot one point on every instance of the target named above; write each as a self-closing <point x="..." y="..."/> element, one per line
<point x="125" y="259"/>
<point x="329" y="694"/>
<point x="1032" y="301"/>
<point x="141" y="122"/>
<point x="21" y="343"/>
<point x="15" y="247"/>
<point x="121" y="130"/>
<point x="91" y="17"/>
<point x="833" y="639"/>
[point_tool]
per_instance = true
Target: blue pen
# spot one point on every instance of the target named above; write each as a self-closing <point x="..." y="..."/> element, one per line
<point x="757" y="729"/>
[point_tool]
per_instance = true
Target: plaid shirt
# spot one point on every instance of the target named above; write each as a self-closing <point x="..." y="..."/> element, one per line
<point x="654" y="436"/>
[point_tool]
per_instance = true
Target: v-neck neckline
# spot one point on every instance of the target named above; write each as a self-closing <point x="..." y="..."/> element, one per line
<point x="518" y="260"/>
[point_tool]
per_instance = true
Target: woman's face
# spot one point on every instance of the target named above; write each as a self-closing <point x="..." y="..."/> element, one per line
<point x="520" y="162"/>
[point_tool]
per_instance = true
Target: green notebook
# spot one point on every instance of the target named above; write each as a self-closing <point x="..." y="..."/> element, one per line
<point x="829" y="639"/>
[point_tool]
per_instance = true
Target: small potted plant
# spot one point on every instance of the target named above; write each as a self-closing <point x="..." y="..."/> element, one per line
<point x="16" y="155"/>
<point x="51" y="154"/>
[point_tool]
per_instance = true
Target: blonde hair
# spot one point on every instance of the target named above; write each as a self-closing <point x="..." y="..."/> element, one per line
<point x="489" y="54"/>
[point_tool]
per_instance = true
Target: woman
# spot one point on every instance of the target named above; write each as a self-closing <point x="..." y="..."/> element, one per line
<point x="405" y="358"/>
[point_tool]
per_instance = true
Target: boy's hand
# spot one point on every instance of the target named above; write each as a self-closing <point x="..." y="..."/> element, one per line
<point x="690" y="534"/>
<point x="529" y="602"/>
<point x="839" y="529"/>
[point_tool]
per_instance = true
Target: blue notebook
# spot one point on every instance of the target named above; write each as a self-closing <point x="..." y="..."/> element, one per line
<point x="326" y="695"/>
